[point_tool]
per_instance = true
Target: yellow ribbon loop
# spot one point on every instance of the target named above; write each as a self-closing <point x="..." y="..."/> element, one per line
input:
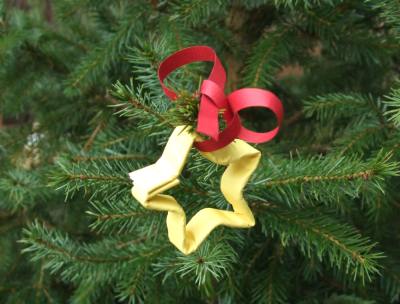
<point x="241" y="160"/>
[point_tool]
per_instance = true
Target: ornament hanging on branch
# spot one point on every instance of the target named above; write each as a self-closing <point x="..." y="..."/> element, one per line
<point x="227" y="147"/>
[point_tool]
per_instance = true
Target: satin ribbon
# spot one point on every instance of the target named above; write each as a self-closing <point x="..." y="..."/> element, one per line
<point x="241" y="160"/>
<point x="213" y="100"/>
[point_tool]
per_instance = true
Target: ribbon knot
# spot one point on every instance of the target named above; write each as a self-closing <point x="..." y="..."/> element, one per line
<point x="213" y="101"/>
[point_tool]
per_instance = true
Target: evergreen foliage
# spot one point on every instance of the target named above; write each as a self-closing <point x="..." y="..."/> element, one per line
<point x="81" y="107"/>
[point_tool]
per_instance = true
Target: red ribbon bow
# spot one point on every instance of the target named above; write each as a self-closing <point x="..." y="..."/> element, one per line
<point x="213" y="100"/>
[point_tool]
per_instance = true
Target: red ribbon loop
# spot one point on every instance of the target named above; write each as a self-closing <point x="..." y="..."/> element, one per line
<point x="213" y="99"/>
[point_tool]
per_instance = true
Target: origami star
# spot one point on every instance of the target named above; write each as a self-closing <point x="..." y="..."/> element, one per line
<point x="241" y="160"/>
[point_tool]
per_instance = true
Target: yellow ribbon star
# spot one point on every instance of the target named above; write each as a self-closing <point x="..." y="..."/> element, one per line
<point x="241" y="160"/>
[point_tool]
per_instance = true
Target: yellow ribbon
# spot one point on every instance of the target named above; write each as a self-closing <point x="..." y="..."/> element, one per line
<point x="241" y="160"/>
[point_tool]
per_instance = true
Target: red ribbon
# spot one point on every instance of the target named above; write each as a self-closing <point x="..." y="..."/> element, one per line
<point x="213" y="99"/>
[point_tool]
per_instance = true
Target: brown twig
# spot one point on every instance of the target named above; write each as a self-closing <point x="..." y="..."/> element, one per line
<point x="111" y="157"/>
<point x="305" y="179"/>
<point x="92" y="137"/>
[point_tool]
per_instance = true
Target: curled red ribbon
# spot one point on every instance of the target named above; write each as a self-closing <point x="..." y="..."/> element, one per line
<point x="213" y="99"/>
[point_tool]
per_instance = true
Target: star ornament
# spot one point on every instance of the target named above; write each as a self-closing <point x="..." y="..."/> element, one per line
<point x="150" y="182"/>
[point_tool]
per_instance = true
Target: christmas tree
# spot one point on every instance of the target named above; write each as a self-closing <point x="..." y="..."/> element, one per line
<point x="81" y="106"/>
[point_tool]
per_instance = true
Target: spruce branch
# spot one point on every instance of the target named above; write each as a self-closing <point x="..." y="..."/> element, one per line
<point x="266" y="57"/>
<point x="107" y="178"/>
<point x="339" y="243"/>
<point x="122" y="217"/>
<point x="307" y="4"/>
<point x="271" y="285"/>
<point x="360" y="138"/>
<point x="389" y="12"/>
<point x="118" y="143"/>
<point x="361" y="47"/>
<point x="306" y="183"/>
<point x="390" y="280"/>
<point x="393" y="102"/>
<point x="11" y="41"/>
<point x="197" y="11"/>
<point x="208" y="263"/>
<point x="338" y="299"/>
<point x="111" y="157"/>
<point x="145" y="58"/>
<point x="20" y="189"/>
<point x="99" y="261"/>
<point x="66" y="9"/>
<point x="330" y="107"/>
<point x="137" y="286"/>
<point x="98" y="61"/>
<point x="137" y="103"/>
<point x="42" y="240"/>
<point x="87" y="292"/>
